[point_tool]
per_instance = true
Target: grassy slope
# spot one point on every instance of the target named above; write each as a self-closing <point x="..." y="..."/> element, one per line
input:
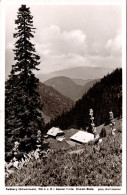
<point x="68" y="167"/>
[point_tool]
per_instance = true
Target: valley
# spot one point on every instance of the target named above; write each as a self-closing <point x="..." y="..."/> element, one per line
<point x="54" y="103"/>
<point x="69" y="88"/>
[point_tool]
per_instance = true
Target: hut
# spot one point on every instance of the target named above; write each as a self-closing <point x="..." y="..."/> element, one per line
<point x="82" y="137"/>
<point x="55" y="131"/>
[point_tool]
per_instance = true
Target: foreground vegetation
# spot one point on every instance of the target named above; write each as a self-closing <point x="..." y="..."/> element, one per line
<point x="86" y="165"/>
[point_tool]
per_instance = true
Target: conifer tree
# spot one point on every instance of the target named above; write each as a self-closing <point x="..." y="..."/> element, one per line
<point x="22" y="101"/>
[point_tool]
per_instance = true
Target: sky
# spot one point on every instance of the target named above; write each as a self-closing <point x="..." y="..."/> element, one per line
<point x="70" y="36"/>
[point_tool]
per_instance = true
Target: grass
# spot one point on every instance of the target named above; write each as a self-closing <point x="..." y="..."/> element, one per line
<point x="94" y="165"/>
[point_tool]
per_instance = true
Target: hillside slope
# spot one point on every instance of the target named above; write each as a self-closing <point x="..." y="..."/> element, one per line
<point x="87" y="86"/>
<point x="83" y="165"/>
<point x="54" y="103"/>
<point x="103" y="97"/>
<point x="69" y="88"/>
<point x="65" y="86"/>
<point x="81" y="81"/>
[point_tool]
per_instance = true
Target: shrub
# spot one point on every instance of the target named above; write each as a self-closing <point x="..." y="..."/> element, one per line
<point x="103" y="133"/>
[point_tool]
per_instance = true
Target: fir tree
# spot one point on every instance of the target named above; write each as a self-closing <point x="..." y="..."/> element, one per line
<point x="23" y="103"/>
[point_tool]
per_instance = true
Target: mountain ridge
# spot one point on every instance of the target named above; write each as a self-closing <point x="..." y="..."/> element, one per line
<point x="69" y="88"/>
<point x="65" y="86"/>
<point x="77" y="73"/>
<point x="81" y="81"/>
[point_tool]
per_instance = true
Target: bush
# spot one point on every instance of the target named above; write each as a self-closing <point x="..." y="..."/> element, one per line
<point x="103" y="133"/>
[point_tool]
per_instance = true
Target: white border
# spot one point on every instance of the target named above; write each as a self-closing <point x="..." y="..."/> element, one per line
<point x="2" y="80"/>
<point x="2" y="90"/>
<point x="65" y="2"/>
<point x="124" y="94"/>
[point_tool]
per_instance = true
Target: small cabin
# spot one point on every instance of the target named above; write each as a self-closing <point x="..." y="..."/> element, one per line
<point x="82" y="137"/>
<point x="54" y="132"/>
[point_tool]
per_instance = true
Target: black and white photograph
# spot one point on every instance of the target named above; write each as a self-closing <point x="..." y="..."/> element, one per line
<point x="63" y="77"/>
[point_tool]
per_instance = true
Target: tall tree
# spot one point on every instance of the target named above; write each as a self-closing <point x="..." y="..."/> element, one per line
<point x="23" y="103"/>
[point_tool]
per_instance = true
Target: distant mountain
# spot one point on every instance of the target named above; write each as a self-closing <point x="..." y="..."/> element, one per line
<point x="65" y="86"/>
<point x="77" y="73"/>
<point x="54" y="103"/>
<point x="81" y="81"/>
<point x="103" y="97"/>
<point x="69" y="88"/>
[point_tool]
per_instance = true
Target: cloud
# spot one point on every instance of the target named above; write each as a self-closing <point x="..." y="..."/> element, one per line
<point x="65" y="49"/>
<point x="62" y="49"/>
<point x="71" y="36"/>
<point x="105" y="61"/>
<point x="114" y="45"/>
<point x="56" y="63"/>
<point x="62" y="42"/>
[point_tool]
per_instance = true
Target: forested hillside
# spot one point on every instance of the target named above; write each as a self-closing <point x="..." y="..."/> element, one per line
<point x="54" y="103"/>
<point x="103" y="97"/>
<point x="65" y="86"/>
<point x="70" y="88"/>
